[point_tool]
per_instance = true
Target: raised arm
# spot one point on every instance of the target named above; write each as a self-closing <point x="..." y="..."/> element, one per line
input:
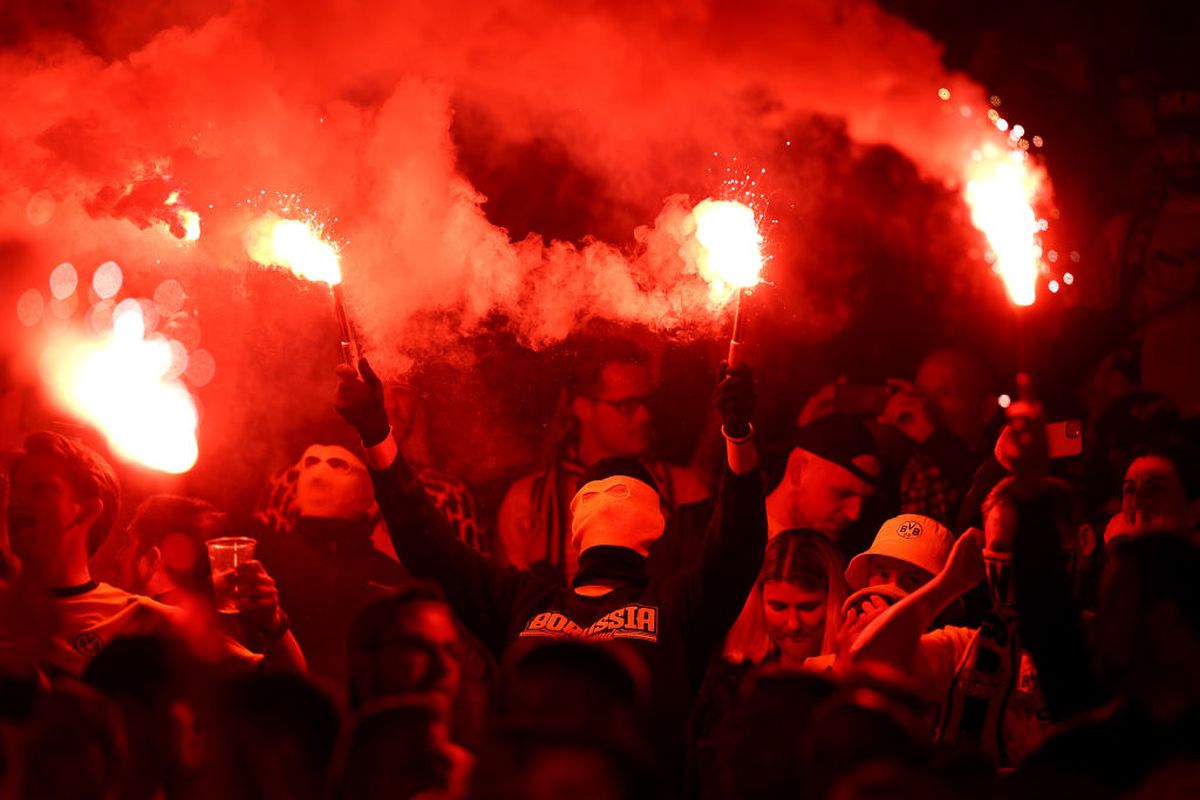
<point x="715" y="587"/>
<point x="481" y="590"/>
<point x="1048" y="613"/>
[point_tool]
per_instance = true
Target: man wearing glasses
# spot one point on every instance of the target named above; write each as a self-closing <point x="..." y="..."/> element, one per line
<point x="605" y="412"/>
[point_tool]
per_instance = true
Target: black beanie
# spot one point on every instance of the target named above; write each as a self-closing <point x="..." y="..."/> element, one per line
<point x="839" y="438"/>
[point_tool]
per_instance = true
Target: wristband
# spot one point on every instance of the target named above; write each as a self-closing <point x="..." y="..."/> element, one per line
<point x="739" y="439"/>
<point x="381" y="455"/>
<point x="740" y="453"/>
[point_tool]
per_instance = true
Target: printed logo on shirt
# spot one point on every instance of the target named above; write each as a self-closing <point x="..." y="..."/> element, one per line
<point x="89" y="644"/>
<point x="633" y="621"/>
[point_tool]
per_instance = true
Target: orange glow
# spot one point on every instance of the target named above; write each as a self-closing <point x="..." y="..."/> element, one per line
<point x="122" y="384"/>
<point x="1000" y="192"/>
<point x="290" y="243"/>
<point x="730" y="245"/>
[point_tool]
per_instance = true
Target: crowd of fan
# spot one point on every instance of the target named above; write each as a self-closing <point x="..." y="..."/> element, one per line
<point x="915" y="595"/>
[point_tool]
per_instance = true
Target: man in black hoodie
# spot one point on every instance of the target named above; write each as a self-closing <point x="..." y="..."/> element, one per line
<point x="673" y="624"/>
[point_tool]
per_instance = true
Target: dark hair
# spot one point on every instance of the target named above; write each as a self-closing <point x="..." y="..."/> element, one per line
<point x="1065" y="503"/>
<point x="375" y="618"/>
<point x="1181" y="459"/>
<point x="587" y="367"/>
<point x="89" y="475"/>
<point x="162" y="515"/>
<point x="576" y="687"/>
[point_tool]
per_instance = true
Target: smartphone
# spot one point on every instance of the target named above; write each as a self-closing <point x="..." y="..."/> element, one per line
<point x="1065" y="438"/>
<point x="861" y="399"/>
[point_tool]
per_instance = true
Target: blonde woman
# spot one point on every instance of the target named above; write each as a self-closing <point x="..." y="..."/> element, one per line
<point x="794" y="611"/>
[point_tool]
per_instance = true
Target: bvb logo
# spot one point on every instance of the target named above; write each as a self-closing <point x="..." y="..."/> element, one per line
<point x="89" y="644"/>
<point x="909" y="530"/>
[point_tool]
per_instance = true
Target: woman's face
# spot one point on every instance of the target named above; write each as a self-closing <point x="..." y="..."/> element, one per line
<point x="795" y="619"/>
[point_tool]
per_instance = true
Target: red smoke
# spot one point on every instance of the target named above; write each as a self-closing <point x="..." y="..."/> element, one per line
<point x="350" y="105"/>
<point x="365" y="115"/>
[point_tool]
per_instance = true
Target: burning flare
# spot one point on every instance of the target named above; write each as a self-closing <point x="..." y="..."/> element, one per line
<point x="272" y="241"/>
<point x="730" y="256"/>
<point x="127" y="386"/>
<point x="1001" y="189"/>
<point x="187" y="222"/>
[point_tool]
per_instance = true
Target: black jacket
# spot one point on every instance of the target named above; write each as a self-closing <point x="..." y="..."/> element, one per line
<point x="673" y="623"/>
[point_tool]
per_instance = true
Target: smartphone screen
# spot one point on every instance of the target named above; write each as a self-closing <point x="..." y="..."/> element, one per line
<point x="1065" y="439"/>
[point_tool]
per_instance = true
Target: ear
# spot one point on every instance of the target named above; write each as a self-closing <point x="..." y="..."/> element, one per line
<point x="1086" y="539"/>
<point x="89" y="511"/>
<point x="582" y="407"/>
<point x="149" y="563"/>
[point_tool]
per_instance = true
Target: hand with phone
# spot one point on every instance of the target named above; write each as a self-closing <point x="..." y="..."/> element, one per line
<point x="909" y="410"/>
<point x="1022" y="447"/>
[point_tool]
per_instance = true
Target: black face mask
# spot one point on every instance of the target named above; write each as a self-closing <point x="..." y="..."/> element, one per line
<point x="1001" y="587"/>
<point x="342" y="535"/>
<point x="607" y="564"/>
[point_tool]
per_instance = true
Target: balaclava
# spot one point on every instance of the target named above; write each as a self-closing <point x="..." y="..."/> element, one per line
<point x="617" y="505"/>
<point x="332" y="483"/>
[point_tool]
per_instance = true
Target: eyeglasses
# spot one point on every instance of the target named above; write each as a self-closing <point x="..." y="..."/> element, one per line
<point x="629" y="406"/>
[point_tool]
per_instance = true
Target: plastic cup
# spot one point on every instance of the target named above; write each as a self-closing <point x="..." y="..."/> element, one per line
<point x="224" y="556"/>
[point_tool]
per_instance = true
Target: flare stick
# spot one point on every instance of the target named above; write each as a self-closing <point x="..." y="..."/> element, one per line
<point x="350" y="349"/>
<point x="736" y="358"/>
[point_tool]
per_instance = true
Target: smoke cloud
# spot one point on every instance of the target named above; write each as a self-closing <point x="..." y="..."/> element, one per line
<point x="350" y="106"/>
<point x="386" y="122"/>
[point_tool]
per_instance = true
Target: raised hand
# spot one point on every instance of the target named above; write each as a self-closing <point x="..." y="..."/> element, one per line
<point x="360" y="402"/>
<point x="735" y="397"/>
<point x="909" y="411"/>
<point x="1022" y="447"/>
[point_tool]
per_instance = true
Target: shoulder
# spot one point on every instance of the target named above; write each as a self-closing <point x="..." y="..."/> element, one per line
<point x="952" y="636"/>
<point x="942" y="651"/>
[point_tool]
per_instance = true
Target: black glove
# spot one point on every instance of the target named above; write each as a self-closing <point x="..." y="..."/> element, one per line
<point x="735" y="398"/>
<point x="360" y="402"/>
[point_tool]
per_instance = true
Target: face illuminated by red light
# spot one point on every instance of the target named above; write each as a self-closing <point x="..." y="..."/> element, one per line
<point x="616" y="420"/>
<point x="418" y="655"/>
<point x="795" y="619"/>
<point x="1153" y="497"/>
<point x="888" y="571"/>
<point x="332" y="484"/>
<point x="824" y="496"/>
<point x="958" y="386"/>
<point x="45" y="515"/>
